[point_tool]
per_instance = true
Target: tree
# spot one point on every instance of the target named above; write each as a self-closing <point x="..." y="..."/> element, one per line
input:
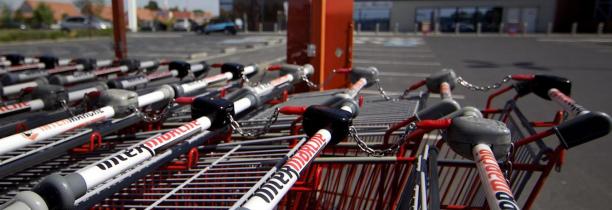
<point x="42" y="16"/>
<point x="174" y="9"/>
<point x="18" y="16"/>
<point x="5" y="15"/>
<point x="198" y="11"/>
<point x="152" y="5"/>
<point x="90" y="7"/>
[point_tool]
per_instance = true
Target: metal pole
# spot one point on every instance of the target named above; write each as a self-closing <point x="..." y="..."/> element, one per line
<point x="396" y="27"/>
<point x="600" y="28"/>
<point x="456" y="28"/>
<point x="549" y="30"/>
<point x="132" y="16"/>
<point x="478" y="28"/>
<point x="501" y="28"/>
<point x="358" y="28"/>
<point x="245" y="23"/>
<point x="574" y="28"/>
<point x="377" y="27"/>
<point x="119" y="30"/>
<point x="525" y="28"/>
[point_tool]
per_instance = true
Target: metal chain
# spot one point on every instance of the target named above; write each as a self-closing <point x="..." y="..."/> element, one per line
<point x="64" y="105"/>
<point x="246" y="79"/>
<point x="508" y="163"/>
<point x="382" y="92"/>
<point x="236" y="126"/>
<point x="473" y="87"/>
<point x="155" y="117"/>
<point x="310" y="84"/>
<point x="377" y="152"/>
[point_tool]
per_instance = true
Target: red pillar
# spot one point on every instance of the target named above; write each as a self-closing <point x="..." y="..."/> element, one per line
<point x="119" y="30"/>
<point x="320" y="32"/>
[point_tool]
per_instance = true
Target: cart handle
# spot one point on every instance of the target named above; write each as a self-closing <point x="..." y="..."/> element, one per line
<point x="292" y="110"/>
<point x="184" y="100"/>
<point x="585" y="127"/>
<point x="343" y="70"/>
<point x="275" y="67"/>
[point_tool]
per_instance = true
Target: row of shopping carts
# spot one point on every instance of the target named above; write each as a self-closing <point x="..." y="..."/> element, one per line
<point x="91" y="134"/>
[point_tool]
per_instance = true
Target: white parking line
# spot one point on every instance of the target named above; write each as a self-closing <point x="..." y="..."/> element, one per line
<point x="221" y="55"/>
<point x="402" y="74"/>
<point x="455" y="96"/>
<point x="396" y="55"/>
<point x="409" y="63"/>
<point x="392" y="50"/>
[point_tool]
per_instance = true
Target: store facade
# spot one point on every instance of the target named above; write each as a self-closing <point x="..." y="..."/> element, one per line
<point x="453" y="15"/>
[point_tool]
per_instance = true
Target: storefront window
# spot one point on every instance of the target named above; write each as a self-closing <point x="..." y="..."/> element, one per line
<point x="370" y="13"/>
<point x="490" y="18"/>
<point x="466" y="19"/>
<point x="447" y="19"/>
<point x="425" y="17"/>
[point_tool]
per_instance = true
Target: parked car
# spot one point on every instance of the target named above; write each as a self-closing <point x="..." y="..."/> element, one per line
<point x="80" y="22"/>
<point x="220" y="25"/>
<point x="15" y="25"/>
<point x="153" y="26"/>
<point x="184" y="25"/>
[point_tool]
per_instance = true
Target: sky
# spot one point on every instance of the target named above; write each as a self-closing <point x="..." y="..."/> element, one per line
<point x="206" y="5"/>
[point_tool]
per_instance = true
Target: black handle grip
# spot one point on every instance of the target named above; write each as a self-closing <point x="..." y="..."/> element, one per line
<point x="541" y="84"/>
<point x="583" y="128"/>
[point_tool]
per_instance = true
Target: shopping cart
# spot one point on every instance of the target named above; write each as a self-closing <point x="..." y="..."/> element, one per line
<point x="107" y="175"/>
<point x="450" y="181"/>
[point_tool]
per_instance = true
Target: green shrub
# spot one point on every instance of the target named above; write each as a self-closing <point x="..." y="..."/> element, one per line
<point x="28" y="35"/>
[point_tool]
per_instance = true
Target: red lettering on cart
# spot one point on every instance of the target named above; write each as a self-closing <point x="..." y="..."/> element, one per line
<point x="359" y="84"/>
<point x="158" y="75"/>
<point x="33" y="134"/>
<point x="291" y="169"/>
<point x="279" y="80"/>
<point x="496" y="178"/>
<point x="172" y="134"/>
<point x="16" y="106"/>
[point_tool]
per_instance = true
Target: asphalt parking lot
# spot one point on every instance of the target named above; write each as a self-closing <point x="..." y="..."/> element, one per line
<point x="583" y="182"/>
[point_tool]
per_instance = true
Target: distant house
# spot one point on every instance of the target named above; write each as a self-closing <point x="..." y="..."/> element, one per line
<point x="60" y="9"/>
<point x="141" y="13"/>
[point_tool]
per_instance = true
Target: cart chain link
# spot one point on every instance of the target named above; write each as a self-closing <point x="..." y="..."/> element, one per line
<point x="473" y="87"/>
<point x="382" y="92"/>
<point x="377" y="152"/>
<point x="236" y="126"/>
<point x="65" y="106"/>
<point x="153" y="118"/>
<point x="246" y="79"/>
<point x="310" y="84"/>
<point x="508" y="163"/>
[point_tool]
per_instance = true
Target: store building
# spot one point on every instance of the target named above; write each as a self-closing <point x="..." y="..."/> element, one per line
<point x="406" y="15"/>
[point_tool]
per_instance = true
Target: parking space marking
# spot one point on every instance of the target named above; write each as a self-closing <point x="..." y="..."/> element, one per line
<point x="394" y="50"/>
<point x="221" y="55"/>
<point x="408" y="63"/>
<point x="396" y="55"/>
<point x="432" y="95"/>
<point x="402" y="74"/>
